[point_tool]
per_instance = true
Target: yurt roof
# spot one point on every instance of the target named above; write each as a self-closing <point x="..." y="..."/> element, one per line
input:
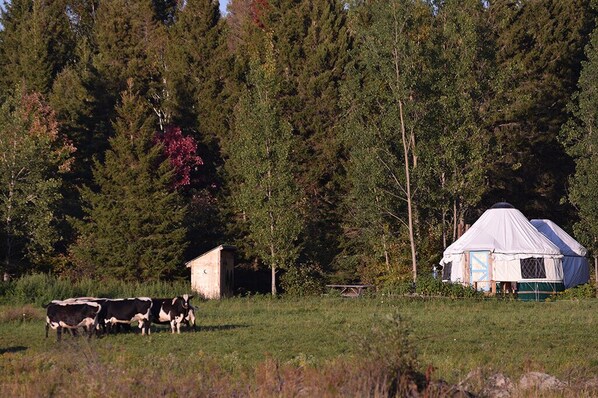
<point x="568" y="245"/>
<point x="503" y="229"/>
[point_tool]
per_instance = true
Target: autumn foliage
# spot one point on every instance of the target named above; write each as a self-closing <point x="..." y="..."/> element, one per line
<point x="181" y="150"/>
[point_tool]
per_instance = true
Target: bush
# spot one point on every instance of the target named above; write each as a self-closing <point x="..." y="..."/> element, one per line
<point x="303" y="280"/>
<point x="388" y="346"/>
<point x="578" y="292"/>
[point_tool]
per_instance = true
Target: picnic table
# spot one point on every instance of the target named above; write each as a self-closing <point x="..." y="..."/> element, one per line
<point x="350" y="290"/>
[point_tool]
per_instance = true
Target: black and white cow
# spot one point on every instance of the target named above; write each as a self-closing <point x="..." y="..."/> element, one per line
<point x="71" y="315"/>
<point x="125" y="311"/>
<point x="172" y="310"/>
<point x="190" y="318"/>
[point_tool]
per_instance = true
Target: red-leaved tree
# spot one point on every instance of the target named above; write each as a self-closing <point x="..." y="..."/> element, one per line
<point x="181" y="150"/>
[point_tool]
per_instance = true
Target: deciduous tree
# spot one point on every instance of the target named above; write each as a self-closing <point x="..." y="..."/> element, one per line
<point x="32" y="157"/>
<point x="260" y="165"/>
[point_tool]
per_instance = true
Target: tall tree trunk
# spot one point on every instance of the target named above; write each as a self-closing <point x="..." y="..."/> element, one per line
<point x="408" y="191"/>
<point x="274" y="292"/>
<point x="454" y="219"/>
<point x="8" y="221"/>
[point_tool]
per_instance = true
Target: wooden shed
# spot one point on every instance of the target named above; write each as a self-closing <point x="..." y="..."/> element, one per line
<point x="212" y="273"/>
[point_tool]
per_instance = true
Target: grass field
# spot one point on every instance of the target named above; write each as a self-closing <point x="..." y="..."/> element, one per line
<point x="242" y="340"/>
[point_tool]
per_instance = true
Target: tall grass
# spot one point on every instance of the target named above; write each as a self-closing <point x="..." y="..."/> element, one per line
<point x="42" y="288"/>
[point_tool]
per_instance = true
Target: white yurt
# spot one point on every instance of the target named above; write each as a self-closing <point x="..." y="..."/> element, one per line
<point x="576" y="270"/>
<point x="502" y="246"/>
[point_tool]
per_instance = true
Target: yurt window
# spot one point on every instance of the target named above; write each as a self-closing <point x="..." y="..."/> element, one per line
<point x="446" y="271"/>
<point x="533" y="268"/>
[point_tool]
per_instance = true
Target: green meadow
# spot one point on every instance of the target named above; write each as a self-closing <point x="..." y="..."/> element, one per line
<point x="242" y="340"/>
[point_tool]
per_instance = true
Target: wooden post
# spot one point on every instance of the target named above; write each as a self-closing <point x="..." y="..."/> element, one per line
<point x="467" y="273"/>
<point x="491" y="274"/>
<point x="596" y="273"/>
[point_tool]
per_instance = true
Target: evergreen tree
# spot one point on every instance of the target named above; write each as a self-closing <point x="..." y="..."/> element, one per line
<point x="128" y="44"/>
<point x="196" y="70"/>
<point x="262" y="181"/>
<point x="32" y="156"/>
<point x="538" y="46"/>
<point x="581" y="139"/>
<point x="134" y="223"/>
<point x="36" y="42"/>
<point x="79" y="111"/>
<point x="313" y="66"/>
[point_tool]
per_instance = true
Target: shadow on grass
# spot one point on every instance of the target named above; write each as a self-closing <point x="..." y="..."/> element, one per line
<point x="202" y="328"/>
<point x="216" y="328"/>
<point x="16" y="348"/>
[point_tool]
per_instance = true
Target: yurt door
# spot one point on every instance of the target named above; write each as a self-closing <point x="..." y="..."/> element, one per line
<point x="479" y="269"/>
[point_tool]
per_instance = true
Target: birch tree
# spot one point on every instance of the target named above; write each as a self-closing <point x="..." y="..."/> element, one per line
<point x="386" y="108"/>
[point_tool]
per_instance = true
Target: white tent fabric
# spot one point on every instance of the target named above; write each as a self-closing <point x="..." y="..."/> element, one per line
<point x="504" y="231"/>
<point x="576" y="270"/>
<point x="508" y="237"/>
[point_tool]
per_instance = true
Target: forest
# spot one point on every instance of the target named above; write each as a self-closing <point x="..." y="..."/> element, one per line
<point x="330" y="140"/>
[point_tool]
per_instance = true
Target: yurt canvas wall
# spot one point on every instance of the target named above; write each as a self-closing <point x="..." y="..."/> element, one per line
<point x="503" y="246"/>
<point x="576" y="270"/>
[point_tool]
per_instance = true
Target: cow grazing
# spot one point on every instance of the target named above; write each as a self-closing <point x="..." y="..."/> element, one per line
<point x="172" y="311"/>
<point x="71" y="315"/>
<point x="125" y="311"/>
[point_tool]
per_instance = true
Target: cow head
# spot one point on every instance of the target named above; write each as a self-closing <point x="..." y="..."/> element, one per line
<point x="184" y="300"/>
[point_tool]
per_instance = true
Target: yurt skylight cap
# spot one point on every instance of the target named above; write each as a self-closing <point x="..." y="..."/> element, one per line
<point x="502" y="205"/>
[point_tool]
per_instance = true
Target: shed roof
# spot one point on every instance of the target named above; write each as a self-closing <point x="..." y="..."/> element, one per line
<point x="219" y="248"/>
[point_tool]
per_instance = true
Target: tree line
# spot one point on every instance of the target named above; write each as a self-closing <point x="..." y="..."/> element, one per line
<point x="346" y="140"/>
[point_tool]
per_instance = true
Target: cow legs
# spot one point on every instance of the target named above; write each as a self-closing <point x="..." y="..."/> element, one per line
<point x="47" y="329"/>
<point x="144" y="324"/>
<point x="59" y="333"/>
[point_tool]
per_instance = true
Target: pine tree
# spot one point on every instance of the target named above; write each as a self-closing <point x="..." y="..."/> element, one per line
<point x="195" y="71"/>
<point x="134" y="223"/>
<point x="581" y="140"/>
<point x="32" y="157"/>
<point x="539" y="47"/>
<point x="128" y="42"/>
<point x="36" y="43"/>
<point x="262" y="181"/>
<point x="80" y="114"/>
<point x="313" y="68"/>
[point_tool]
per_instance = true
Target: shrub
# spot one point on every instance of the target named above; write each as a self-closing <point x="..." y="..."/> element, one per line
<point x="303" y="280"/>
<point x="428" y="286"/>
<point x="578" y="292"/>
<point x="387" y="345"/>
